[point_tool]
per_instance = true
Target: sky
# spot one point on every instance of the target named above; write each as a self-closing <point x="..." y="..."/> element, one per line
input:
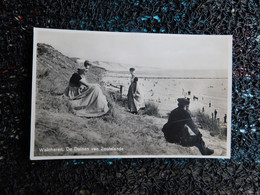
<point x="166" y="51"/>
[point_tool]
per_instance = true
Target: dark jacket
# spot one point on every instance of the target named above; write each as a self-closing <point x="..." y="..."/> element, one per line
<point x="174" y="128"/>
<point x="75" y="80"/>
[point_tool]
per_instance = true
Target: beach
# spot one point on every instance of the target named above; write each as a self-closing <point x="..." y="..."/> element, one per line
<point x="208" y="93"/>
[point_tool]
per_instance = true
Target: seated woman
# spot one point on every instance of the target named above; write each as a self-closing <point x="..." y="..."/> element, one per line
<point x="86" y="99"/>
<point x="134" y="96"/>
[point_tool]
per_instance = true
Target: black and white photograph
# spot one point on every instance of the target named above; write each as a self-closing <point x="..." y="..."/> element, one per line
<point x="130" y="95"/>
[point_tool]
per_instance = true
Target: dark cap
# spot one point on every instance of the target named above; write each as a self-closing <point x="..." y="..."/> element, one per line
<point x="183" y="101"/>
<point x="87" y="63"/>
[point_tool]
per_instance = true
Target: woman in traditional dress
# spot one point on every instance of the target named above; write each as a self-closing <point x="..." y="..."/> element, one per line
<point x="86" y="99"/>
<point x="134" y="96"/>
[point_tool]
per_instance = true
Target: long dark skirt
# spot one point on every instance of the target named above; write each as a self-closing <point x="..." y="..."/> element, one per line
<point x="130" y="100"/>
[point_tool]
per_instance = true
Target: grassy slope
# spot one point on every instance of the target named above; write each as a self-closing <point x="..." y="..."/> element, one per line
<point x="56" y="127"/>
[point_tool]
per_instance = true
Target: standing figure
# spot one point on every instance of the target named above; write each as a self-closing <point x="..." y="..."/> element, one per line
<point x="134" y="96"/>
<point x="130" y="91"/>
<point x="225" y="118"/>
<point x="135" y="99"/>
<point x="215" y="114"/>
<point x="176" y="130"/>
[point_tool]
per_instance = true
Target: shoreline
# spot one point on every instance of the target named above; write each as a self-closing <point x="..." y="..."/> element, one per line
<point x="151" y="77"/>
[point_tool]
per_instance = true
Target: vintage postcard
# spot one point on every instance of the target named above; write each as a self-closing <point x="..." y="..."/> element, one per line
<point x="130" y="95"/>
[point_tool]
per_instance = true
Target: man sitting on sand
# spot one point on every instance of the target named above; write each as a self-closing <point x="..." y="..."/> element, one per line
<point x="176" y="131"/>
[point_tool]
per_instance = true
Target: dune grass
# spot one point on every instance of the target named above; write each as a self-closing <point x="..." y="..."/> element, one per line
<point x="56" y="126"/>
<point x="210" y="124"/>
<point x="151" y="109"/>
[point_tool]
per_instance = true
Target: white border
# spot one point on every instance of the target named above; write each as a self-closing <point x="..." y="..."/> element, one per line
<point x="33" y="103"/>
<point x="229" y="99"/>
<point x="32" y="145"/>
